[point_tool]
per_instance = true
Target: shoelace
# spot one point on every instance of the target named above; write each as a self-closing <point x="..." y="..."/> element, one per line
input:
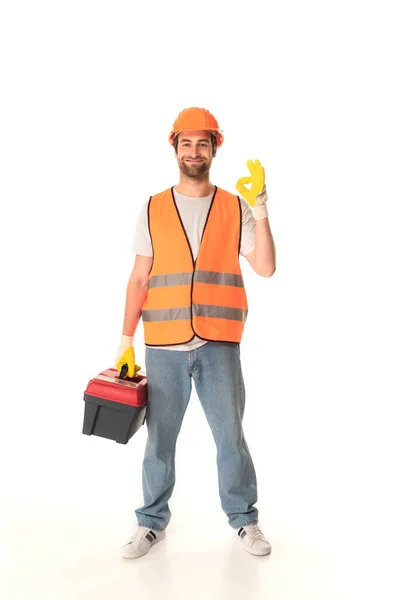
<point x="140" y="533"/>
<point x="254" y="533"/>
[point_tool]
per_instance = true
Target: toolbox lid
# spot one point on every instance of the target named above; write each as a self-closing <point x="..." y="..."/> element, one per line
<point x="111" y="375"/>
<point x="108" y="385"/>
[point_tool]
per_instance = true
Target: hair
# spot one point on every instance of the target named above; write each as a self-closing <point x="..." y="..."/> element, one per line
<point x="213" y="143"/>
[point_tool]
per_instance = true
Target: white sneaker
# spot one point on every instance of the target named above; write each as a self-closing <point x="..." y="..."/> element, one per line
<point x="141" y="542"/>
<point x="254" y="541"/>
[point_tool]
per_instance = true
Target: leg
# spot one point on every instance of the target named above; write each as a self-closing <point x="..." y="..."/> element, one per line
<point x="169" y="387"/>
<point x="219" y="384"/>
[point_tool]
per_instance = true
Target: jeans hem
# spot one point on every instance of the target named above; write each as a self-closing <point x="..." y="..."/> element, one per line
<point x="244" y="524"/>
<point x="150" y="526"/>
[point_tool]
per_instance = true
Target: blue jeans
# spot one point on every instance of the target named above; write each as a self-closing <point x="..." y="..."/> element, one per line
<point x="216" y="370"/>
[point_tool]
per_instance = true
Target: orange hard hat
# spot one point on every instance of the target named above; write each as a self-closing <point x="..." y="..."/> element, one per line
<point x="193" y="118"/>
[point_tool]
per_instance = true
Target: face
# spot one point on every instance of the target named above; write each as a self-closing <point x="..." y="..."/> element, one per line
<point x="194" y="153"/>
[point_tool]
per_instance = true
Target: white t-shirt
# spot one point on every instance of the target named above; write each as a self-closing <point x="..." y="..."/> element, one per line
<point x="193" y="212"/>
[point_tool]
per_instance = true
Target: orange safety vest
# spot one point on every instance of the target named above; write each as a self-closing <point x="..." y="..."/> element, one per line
<point x="205" y="296"/>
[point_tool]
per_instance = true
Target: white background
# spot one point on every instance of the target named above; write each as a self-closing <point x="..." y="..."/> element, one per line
<point x="89" y="94"/>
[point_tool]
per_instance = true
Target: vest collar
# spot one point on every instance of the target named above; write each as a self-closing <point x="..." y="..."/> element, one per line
<point x="183" y="228"/>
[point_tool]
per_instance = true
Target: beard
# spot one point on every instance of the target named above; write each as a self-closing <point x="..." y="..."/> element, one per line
<point x="195" y="171"/>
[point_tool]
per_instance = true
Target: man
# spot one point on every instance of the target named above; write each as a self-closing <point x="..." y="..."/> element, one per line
<point x="187" y="286"/>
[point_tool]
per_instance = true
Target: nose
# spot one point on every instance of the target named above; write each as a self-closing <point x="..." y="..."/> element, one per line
<point x="194" y="152"/>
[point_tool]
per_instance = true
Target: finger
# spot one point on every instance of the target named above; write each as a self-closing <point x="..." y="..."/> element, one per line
<point x="242" y="190"/>
<point x="244" y="180"/>
<point x="258" y="166"/>
<point x="250" y="166"/>
<point x="260" y="170"/>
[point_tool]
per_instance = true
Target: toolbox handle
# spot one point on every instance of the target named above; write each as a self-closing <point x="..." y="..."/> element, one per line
<point x="124" y="370"/>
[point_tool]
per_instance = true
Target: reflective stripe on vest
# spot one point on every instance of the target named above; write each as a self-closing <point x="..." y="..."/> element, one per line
<point x="201" y="276"/>
<point x="200" y="310"/>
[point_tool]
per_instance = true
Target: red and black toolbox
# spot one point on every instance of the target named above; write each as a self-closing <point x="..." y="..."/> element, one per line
<point x="115" y="405"/>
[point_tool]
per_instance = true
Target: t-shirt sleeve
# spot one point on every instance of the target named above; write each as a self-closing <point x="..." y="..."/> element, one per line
<point x="248" y="240"/>
<point x="141" y="239"/>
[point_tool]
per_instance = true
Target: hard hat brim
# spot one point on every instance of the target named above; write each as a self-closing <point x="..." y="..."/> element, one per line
<point x="217" y="132"/>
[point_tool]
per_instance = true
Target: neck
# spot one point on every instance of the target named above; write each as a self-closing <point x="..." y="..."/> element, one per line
<point x="194" y="188"/>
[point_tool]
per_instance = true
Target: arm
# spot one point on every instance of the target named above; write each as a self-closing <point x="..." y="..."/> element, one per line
<point x="136" y="293"/>
<point x="263" y="257"/>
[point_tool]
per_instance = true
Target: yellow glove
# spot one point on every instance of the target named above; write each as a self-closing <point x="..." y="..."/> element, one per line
<point x="256" y="196"/>
<point x="126" y="355"/>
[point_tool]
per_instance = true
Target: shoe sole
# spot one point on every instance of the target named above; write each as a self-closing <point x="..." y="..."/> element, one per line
<point x="139" y="555"/>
